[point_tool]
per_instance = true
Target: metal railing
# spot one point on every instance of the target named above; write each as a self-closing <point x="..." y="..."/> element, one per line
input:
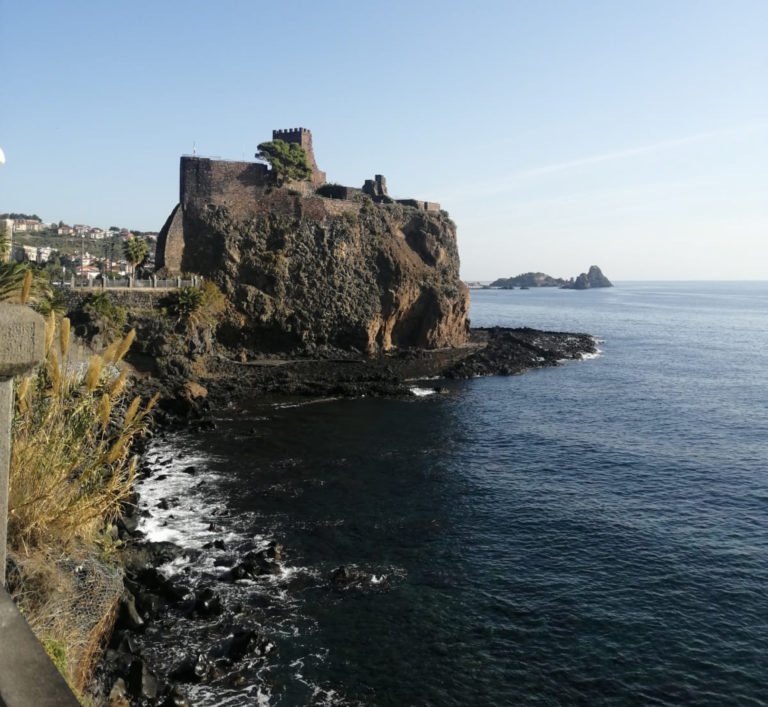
<point x="151" y="283"/>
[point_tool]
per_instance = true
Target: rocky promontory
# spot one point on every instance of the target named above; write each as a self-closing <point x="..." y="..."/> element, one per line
<point x="302" y="276"/>
<point x="310" y="265"/>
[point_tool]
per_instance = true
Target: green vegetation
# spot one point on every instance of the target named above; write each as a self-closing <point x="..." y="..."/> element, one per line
<point x="27" y="217"/>
<point x="21" y="281"/>
<point x="109" y="316"/>
<point x="185" y="301"/>
<point x="350" y="218"/>
<point x="5" y="244"/>
<point x="12" y="278"/>
<point x="332" y="191"/>
<point x="54" y="302"/>
<point x="287" y="159"/>
<point x="197" y="306"/>
<point x="57" y="652"/>
<point x="135" y="251"/>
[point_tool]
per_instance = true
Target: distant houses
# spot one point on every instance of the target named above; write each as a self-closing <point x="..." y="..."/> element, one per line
<point x="87" y="265"/>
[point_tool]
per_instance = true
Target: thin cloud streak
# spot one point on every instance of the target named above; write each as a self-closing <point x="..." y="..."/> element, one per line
<point x="498" y="186"/>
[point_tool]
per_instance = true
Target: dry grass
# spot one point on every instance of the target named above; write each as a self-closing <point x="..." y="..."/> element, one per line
<point x="71" y="464"/>
<point x="71" y="469"/>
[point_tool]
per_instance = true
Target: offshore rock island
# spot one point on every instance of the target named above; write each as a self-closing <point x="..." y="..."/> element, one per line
<point x="587" y="280"/>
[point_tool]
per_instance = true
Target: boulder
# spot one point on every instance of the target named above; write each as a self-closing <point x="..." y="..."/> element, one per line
<point x="195" y="669"/>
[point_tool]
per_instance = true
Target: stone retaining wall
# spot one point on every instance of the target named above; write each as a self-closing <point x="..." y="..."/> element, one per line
<point x="130" y="299"/>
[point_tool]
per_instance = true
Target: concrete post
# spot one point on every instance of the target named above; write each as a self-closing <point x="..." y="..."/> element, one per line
<point x="22" y="347"/>
<point x="27" y="676"/>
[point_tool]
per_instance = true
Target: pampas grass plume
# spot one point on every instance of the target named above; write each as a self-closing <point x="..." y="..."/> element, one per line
<point x="125" y="344"/>
<point x="64" y="337"/>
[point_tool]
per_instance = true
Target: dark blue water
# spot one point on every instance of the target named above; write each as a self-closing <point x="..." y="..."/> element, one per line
<point x="595" y="533"/>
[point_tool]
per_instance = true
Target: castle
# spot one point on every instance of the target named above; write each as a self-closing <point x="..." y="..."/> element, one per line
<point x="240" y="186"/>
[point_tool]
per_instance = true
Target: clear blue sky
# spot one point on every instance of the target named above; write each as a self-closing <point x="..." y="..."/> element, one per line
<point x="632" y="135"/>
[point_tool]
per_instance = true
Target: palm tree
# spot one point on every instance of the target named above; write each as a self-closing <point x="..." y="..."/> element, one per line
<point x="135" y="250"/>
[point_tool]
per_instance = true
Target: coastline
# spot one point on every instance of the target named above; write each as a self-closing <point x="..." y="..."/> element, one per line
<point x="156" y="597"/>
<point x="490" y="351"/>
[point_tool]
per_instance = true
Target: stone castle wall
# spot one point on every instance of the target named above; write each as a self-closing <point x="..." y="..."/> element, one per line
<point x="336" y="207"/>
<point x="430" y="206"/>
<point x="236" y="185"/>
<point x="244" y="188"/>
<point x="130" y="299"/>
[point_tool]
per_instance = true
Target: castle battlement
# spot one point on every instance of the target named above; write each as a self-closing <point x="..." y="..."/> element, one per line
<point x="289" y="132"/>
<point x="303" y="137"/>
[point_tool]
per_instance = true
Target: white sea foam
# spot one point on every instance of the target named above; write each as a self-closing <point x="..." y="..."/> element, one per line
<point x="421" y="392"/>
<point x="183" y="523"/>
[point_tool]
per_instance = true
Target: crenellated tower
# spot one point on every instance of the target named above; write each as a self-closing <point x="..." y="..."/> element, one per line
<point x="303" y="137"/>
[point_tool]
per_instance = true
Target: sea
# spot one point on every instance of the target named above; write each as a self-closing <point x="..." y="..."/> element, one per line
<point x="590" y="534"/>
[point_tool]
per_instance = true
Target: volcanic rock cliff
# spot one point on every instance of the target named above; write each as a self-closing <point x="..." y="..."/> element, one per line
<point x="306" y="272"/>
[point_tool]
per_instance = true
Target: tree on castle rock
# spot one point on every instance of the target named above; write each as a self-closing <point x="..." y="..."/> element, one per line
<point x="287" y="159"/>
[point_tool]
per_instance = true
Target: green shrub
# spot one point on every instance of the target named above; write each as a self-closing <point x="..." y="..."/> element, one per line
<point x="287" y="159"/>
<point x="196" y="305"/>
<point x="350" y="218"/>
<point x="332" y="191"/>
<point x="57" y="652"/>
<point x="185" y="301"/>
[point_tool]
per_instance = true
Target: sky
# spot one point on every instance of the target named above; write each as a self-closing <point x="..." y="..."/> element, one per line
<point x="558" y="134"/>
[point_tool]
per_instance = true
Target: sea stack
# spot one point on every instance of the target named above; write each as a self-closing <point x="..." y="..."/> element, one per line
<point x="589" y="280"/>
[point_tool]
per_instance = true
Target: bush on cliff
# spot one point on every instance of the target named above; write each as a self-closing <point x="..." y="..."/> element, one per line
<point x="196" y="306"/>
<point x="331" y="190"/>
<point x="104" y="316"/>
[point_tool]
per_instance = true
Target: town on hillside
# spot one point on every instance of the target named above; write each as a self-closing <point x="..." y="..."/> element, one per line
<point x="79" y="250"/>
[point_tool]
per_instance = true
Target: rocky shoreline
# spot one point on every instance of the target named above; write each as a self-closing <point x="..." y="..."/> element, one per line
<point x="152" y="601"/>
<point x="490" y="351"/>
